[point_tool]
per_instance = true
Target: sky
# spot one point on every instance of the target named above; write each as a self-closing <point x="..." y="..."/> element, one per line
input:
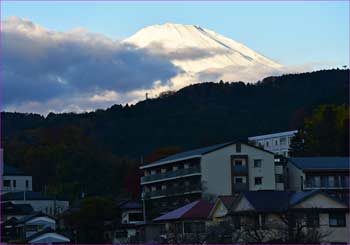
<point x="290" y="33"/>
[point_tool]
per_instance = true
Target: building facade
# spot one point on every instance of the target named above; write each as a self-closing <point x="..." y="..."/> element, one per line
<point x="14" y="179"/>
<point x="277" y="143"/>
<point x="329" y="174"/>
<point x="223" y="169"/>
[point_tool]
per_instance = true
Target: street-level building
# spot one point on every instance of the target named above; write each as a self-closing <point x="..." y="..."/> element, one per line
<point x="330" y="174"/>
<point x="39" y="202"/>
<point x="15" y="179"/>
<point x="222" y="169"/>
<point x="279" y="215"/>
<point x="277" y="143"/>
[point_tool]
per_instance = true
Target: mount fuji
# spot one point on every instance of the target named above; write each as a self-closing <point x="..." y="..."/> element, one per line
<point x="203" y="55"/>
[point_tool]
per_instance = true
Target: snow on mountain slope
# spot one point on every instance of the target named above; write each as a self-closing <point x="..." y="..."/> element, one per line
<point x="202" y="53"/>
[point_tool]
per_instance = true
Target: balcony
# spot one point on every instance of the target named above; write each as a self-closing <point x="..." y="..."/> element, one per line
<point x="240" y="170"/>
<point x="173" y="191"/>
<point x="170" y="174"/>
<point x="310" y="185"/>
<point x="238" y="187"/>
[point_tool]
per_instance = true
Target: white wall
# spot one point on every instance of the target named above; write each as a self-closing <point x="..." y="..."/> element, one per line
<point x="20" y="183"/>
<point x="216" y="169"/>
<point x="45" y="206"/>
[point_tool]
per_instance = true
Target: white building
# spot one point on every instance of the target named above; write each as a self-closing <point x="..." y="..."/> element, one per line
<point x="14" y="179"/>
<point x="277" y="143"/>
<point x="223" y="169"/>
<point x="39" y="202"/>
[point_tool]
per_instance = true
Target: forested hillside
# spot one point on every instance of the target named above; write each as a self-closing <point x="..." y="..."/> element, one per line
<point x="74" y="151"/>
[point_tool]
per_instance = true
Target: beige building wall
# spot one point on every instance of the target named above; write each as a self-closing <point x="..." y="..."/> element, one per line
<point x="294" y="177"/>
<point x="216" y="170"/>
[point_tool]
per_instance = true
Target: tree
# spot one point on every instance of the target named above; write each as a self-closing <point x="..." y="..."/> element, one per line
<point x="324" y="133"/>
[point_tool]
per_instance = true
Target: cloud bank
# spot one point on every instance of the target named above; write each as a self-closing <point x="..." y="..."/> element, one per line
<point x="77" y="68"/>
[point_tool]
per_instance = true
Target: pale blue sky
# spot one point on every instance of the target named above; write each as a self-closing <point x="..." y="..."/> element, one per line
<point x="292" y="33"/>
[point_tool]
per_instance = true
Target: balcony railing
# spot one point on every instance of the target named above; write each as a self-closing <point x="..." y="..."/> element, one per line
<point x="170" y="174"/>
<point x="238" y="169"/>
<point x="240" y="187"/>
<point x="173" y="191"/>
<point x="310" y="185"/>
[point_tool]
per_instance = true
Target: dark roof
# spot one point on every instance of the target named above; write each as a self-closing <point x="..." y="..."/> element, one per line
<point x="32" y="216"/>
<point x="28" y="195"/>
<point x="44" y="231"/>
<point x="228" y="201"/>
<point x="268" y="201"/>
<point x="12" y="170"/>
<point x="130" y="205"/>
<point x="321" y="163"/>
<point x="192" y="153"/>
<point x="193" y="211"/>
<point x="279" y="201"/>
<point x="10" y="208"/>
<point x="201" y="151"/>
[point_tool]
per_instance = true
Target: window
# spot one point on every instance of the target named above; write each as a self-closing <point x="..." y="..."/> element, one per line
<point x="337" y="220"/>
<point x="135" y="217"/>
<point x="267" y="144"/>
<point x="276" y="141"/>
<point x="14" y="183"/>
<point x="238" y="163"/>
<point x="312" y="220"/>
<point x="7" y="183"/>
<point x="257" y="163"/>
<point x="239" y="180"/>
<point x="258" y="180"/>
<point x="27" y="183"/>
<point x="238" y="147"/>
<point x="283" y="140"/>
<point x="279" y="178"/>
<point x="331" y="181"/>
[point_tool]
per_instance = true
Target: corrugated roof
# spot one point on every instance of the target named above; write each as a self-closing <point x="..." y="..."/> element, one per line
<point x="191" y="153"/>
<point x="299" y="196"/>
<point x="314" y="163"/>
<point x="195" y="210"/>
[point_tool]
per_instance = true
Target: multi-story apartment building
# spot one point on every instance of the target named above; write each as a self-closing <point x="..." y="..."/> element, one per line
<point x="330" y="174"/>
<point x="277" y="143"/>
<point x="223" y="169"/>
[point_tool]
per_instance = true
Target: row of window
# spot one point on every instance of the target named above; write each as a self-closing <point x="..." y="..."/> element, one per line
<point x="276" y="141"/>
<point x="241" y="163"/>
<point x="173" y="185"/>
<point x="327" y="181"/>
<point x="7" y="183"/>
<point x="242" y="180"/>
<point x="169" y="168"/>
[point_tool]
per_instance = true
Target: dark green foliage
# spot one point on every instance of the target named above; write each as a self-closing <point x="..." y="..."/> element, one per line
<point x="325" y="133"/>
<point x="93" y="152"/>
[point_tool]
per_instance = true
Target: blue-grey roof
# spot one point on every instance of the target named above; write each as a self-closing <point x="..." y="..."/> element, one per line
<point x="268" y="201"/>
<point x="278" y="201"/>
<point x="28" y="195"/>
<point x="12" y="170"/>
<point x="192" y="153"/>
<point x="318" y="163"/>
<point x="130" y="205"/>
<point x="31" y="216"/>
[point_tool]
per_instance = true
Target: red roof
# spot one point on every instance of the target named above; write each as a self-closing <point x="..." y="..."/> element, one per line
<point x="195" y="210"/>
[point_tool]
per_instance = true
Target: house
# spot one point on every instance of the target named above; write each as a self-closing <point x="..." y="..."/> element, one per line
<point x="282" y="216"/>
<point x="11" y="210"/>
<point x="190" y="219"/>
<point x="33" y="228"/>
<point x="222" y="169"/>
<point x="330" y="174"/>
<point x="125" y="229"/>
<point x="47" y="236"/>
<point x="222" y="207"/>
<point x="277" y="143"/>
<point x="15" y="179"/>
<point x="40" y="202"/>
